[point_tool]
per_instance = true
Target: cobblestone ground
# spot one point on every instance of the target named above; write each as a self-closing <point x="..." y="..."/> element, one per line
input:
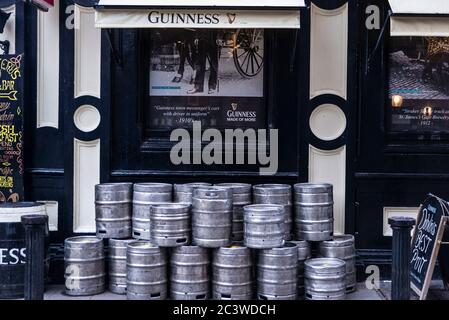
<point x="406" y="79"/>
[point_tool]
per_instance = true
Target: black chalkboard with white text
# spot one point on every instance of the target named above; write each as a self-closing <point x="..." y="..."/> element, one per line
<point x="432" y="218"/>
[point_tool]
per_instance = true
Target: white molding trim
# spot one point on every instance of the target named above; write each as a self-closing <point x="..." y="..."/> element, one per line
<point x="48" y="68"/>
<point x="87" y="118"/>
<point x="52" y="213"/>
<point x="389" y="212"/>
<point x="327" y="122"/>
<point x="330" y="167"/>
<point x="329" y="51"/>
<point x="10" y="28"/>
<point x="87" y="53"/>
<point x="86" y="174"/>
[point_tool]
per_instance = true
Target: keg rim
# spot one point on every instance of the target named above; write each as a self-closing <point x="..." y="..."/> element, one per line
<point x="120" y="241"/>
<point x="287" y="246"/>
<point x="114" y="184"/>
<point x="198" y="190"/>
<point x="264" y="187"/>
<point x="190" y="186"/>
<point x="169" y="205"/>
<point x="83" y="240"/>
<point x="339" y="241"/>
<point x="236" y="187"/>
<point x="232" y="248"/>
<point x="149" y="186"/>
<point x="309" y="187"/>
<point x="141" y="244"/>
<point x="263" y="207"/>
<point x="323" y="263"/>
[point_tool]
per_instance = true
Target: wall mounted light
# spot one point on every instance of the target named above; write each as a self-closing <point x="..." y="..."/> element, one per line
<point x="397" y="101"/>
<point x="427" y="111"/>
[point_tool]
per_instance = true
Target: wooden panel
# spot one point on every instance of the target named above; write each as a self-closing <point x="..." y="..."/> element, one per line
<point x="329" y="51"/>
<point x="48" y="68"/>
<point x="86" y="175"/>
<point x="330" y="167"/>
<point x="87" y="53"/>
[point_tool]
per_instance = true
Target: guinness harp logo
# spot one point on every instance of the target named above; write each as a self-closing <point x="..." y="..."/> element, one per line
<point x="231" y="17"/>
<point x="234" y="106"/>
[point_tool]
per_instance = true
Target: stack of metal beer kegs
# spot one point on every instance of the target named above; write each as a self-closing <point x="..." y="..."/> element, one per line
<point x="331" y="274"/>
<point x="195" y="241"/>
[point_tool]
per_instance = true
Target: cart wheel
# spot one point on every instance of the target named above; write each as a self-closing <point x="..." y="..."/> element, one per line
<point x="248" y="52"/>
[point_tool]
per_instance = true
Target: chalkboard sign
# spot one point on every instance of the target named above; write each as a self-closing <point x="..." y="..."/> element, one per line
<point x="11" y="128"/>
<point x="432" y="218"/>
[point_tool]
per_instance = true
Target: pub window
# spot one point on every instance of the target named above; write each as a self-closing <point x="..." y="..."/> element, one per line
<point x="418" y="85"/>
<point x="214" y="76"/>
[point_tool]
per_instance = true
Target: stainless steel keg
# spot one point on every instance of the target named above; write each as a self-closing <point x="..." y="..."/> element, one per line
<point x="280" y="194"/>
<point x="325" y="279"/>
<point x="264" y="226"/>
<point x="84" y="266"/>
<point x="113" y="210"/>
<point x="189" y="273"/>
<point x="277" y="273"/>
<point x="314" y="214"/>
<point x="212" y="217"/>
<point x="232" y="273"/>
<point x="146" y="274"/>
<point x="170" y="224"/>
<point x="144" y="196"/>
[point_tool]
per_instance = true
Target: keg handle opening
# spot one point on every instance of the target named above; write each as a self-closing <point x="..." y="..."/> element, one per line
<point x="211" y="194"/>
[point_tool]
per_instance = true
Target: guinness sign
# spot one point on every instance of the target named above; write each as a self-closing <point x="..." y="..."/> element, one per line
<point x="196" y="18"/>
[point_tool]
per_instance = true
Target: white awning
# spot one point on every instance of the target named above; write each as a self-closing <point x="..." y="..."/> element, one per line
<point x="230" y="14"/>
<point x="428" y="18"/>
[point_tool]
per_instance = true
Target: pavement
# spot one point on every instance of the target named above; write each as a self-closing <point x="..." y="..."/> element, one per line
<point x="56" y="292"/>
<point x="436" y="292"/>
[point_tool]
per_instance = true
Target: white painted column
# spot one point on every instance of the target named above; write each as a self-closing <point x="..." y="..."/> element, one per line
<point x="87" y="82"/>
<point x="329" y="75"/>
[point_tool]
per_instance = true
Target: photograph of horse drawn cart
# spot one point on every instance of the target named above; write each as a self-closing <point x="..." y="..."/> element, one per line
<point x="181" y="61"/>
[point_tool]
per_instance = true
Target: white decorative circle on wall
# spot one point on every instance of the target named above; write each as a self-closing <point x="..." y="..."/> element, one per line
<point x="327" y="122"/>
<point x="87" y="118"/>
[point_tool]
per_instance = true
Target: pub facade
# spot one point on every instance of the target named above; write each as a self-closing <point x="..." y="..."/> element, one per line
<point x="356" y="89"/>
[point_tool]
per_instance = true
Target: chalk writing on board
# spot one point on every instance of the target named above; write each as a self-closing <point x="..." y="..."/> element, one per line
<point x="11" y="128"/>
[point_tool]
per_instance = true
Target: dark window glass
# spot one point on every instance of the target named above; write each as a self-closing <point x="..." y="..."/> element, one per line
<point x="418" y="84"/>
<point x="212" y="76"/>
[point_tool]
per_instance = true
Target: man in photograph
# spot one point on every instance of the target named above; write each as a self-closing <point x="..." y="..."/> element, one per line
<point x="207" y="49"/>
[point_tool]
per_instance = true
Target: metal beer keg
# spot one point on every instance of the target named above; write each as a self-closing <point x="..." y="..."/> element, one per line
<point x="264" y="226"/>
<point x="84" y="266"/>
<point x="145" y="195"/>
<point x="189" y="273"/>
<point x="314" y="212"/>
<point x="146" y="271"/>
<point x="241" y="197"/>
<point x="183" y="192"/>
<point x="325" y="279"/>
<point x="113" y="210"/>
<point x="212" y="217"/>
<point x="117" y="265"/>
<point x="280" y="194"/>
<point x="342" y="247"/>
<point x="304" y="253"/>
<point x="170" y="224"/>
<point x="277" y="273"/>
<point x="232" y="274"/>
